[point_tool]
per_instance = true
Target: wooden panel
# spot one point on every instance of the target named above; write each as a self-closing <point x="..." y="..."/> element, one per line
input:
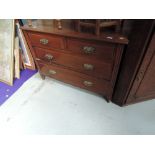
<point x="7" y="31"/>
<point x="147" y="85"/>
<point x="74" y="78"/>
<point x="144" y="84"/>
<point x="102" y="50"/>
<point x="139" y="37"/>
<point x="52" y="40"/>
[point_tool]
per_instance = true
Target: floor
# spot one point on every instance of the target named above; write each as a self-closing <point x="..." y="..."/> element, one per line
<point x="51" y="107"/>
<point x="6" y="91"/>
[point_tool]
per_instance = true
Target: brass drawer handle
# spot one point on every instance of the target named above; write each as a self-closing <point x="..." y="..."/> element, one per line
<point x="52" y="72"/>
<point x="88" y="49"/>
<point x="44" y="41"/>
<point x="48" y="57"/>
<point x="88" y="66"/>
<point x="88" y="83"/>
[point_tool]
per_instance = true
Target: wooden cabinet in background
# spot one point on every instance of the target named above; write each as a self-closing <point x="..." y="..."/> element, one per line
<point x="136" y="79"/>
<point x="144" y="84"/>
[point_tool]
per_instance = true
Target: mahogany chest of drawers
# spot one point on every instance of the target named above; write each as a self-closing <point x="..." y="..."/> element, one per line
<point x="83" y="60"/>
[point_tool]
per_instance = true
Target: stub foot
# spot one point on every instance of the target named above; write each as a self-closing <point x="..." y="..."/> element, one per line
<point x="107" y="99"/>
<point x="42" y="76"/>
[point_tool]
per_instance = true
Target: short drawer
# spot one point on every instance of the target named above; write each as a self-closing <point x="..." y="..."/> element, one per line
<point x="101" y="50"/>
<point x="99" y="69"/>
<point x="74" y="78"/>
<point x="45" y="40"/>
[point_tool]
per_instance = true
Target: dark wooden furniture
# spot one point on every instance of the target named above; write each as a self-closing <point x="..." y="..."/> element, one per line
<point x="136" y="80"/>
<point x="84" y="60"/>
<point x="98" y="24"/>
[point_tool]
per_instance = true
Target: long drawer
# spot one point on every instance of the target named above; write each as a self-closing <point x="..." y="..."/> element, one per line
<point x="74" y="78"/>
<point x="92" y="67"/>
<point x="45" y="40"/>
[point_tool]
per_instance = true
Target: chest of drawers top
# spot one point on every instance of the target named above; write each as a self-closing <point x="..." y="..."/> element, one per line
<point x="68" y="30"/>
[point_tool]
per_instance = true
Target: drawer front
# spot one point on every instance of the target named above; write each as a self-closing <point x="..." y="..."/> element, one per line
<point x="92" y="49"/>
<point x="45" y="40"/>
<point x="74" y="78"/>
<point x="87" y="66"/>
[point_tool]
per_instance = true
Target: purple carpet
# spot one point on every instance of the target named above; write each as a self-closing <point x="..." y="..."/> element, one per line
<point x="6" y="91"/>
